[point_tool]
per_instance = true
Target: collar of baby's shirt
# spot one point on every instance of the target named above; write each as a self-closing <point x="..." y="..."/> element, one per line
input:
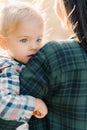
<point x="6" y="61"/>
<point x="20" y="64"/>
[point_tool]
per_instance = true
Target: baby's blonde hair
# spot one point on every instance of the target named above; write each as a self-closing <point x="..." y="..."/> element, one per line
<point x="12" y="13"/>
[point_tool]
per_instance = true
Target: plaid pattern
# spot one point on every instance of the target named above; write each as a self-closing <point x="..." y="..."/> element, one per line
<point x="13" y="106"/>
<point x="58" y="74"/>
<point x="9" y="125"/>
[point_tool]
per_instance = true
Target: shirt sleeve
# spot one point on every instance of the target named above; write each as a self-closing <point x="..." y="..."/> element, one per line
<point x="12" y="105"/>
<point x="35" y="76"/>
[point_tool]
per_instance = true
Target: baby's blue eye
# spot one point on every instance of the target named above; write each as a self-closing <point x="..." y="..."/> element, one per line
<point x="23" y="40"/>
<point x="39" y="40"/>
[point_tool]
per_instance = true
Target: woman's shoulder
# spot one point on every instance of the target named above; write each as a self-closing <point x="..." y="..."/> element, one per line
<point x="61" y="45"/>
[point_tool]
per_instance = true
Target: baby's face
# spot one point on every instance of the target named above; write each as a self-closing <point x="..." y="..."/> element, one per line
<point x="26" y="40"/>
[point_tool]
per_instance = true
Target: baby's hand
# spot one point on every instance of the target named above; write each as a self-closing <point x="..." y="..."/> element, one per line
<point x="40" y="109"/>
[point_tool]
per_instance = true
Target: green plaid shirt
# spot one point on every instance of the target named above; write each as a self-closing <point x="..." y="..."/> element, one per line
<point x="58" y="75"/>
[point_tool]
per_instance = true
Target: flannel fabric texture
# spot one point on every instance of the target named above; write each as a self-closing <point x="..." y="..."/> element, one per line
<point x="58" y="75"/>
<point x="12" y="105"/>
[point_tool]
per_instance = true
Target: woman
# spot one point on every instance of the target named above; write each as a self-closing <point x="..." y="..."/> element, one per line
<point x="58" y="73"/>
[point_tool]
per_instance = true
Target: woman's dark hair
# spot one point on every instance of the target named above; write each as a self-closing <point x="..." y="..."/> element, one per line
<point x="77" y="12"/>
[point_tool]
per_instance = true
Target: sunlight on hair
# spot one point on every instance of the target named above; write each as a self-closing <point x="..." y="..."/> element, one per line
<point x="54" y="29"/>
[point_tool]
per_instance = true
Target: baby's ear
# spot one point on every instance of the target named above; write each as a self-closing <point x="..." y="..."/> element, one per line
<point x="3" y="42"/>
